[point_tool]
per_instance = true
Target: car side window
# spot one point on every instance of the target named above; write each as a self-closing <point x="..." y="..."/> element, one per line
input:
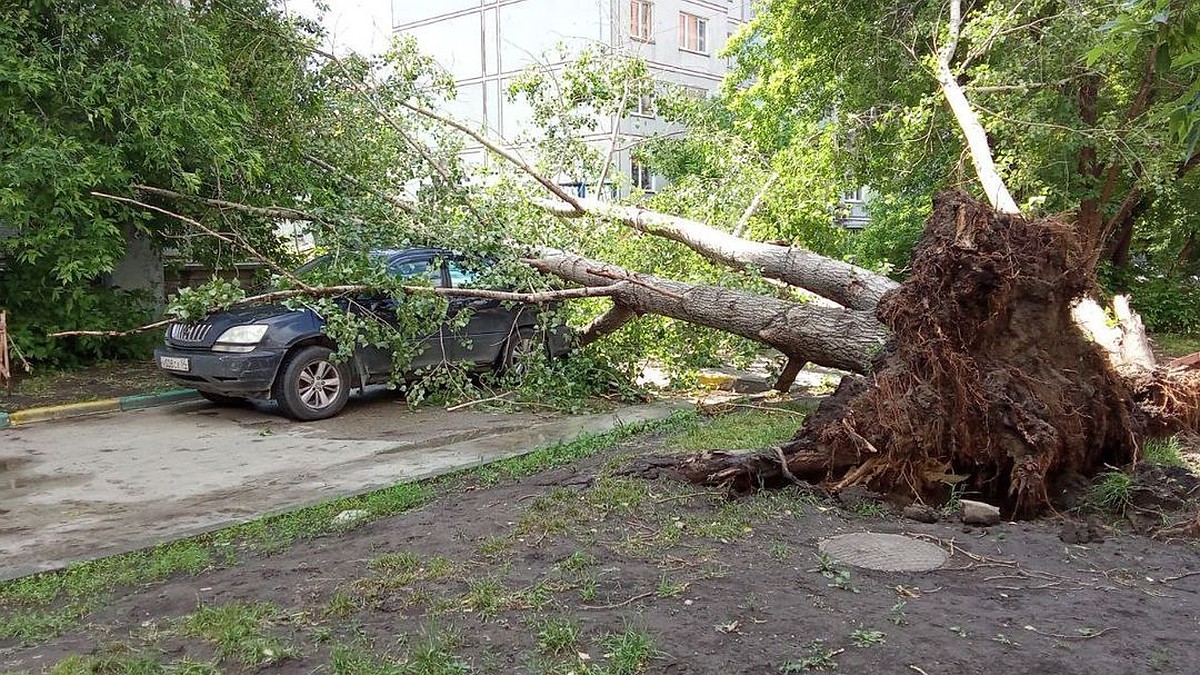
<point x="462" y="277"/>
<point x="416" y="269"/>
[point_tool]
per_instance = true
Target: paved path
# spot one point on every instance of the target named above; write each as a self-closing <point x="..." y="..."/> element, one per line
<point x="99" y="486"/>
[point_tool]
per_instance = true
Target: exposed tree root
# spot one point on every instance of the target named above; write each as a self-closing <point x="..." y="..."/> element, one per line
<point x="987" y="380"/>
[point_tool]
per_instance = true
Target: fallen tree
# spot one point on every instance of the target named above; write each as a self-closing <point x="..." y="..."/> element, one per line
<point x="975" y="370"/>
<point x="835" y="337"/>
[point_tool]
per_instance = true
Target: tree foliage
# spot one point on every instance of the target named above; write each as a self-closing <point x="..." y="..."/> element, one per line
<point x="189" y="96"/>
<point x="1085" y="103"/>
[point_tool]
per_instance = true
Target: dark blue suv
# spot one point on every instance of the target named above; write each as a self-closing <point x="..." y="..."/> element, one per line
<point x="272" y="352"/>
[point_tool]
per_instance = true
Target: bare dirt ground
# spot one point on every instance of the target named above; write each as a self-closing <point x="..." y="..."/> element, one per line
<point x="106" y="380"/>
<point x="582" y="570"/>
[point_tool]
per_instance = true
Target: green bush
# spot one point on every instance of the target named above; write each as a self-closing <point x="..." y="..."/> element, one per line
<point x="887" y="243"/>
<point x="1168" y="304"/>
<point x="35" y="310"/>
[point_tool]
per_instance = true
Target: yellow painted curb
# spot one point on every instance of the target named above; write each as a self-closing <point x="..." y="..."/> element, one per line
<point x="57" y="412"/>
<point x="714" y="380"/>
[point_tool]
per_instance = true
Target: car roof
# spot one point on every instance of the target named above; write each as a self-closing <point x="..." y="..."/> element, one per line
<point x="421" y="252"/>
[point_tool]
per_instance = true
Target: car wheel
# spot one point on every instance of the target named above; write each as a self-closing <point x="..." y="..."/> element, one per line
<point x="310" y="386"/>
<point x="222" y="399"/>
<point x="518" y="349"/>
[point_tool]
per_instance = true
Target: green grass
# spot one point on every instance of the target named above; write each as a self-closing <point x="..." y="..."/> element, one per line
<point x="239" y="632"/>
<point x="124" y="662"/>
<point x="628" y="652"/>
<point x="557" y="636"/>
<point x="41" y="606"/>
<point x="867" y="638"/>
<point x="578" y="561"/>
<point x="819" y="656"/>
<point x="1163" y="452"/>
<point x="403" y="563"/>
<point x="486" y="597"/>
<point x="1112" y="491"/>
<point x="668" y="588"/>
<point x="433" y="654"/>
<point x="748" y="430"/>
<point x="1174" y="345"/>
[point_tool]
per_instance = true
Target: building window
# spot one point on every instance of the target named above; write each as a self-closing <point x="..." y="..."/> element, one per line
<point x="645" y="106"/>
<point x="641" y="20"/>
<point x="693" y="33"/>
<point x="640" y="174"/>
<point x="855" y="195"/>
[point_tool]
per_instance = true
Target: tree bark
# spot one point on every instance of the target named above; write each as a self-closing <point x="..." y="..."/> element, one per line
<point x="788" y="377"/>
<point x="849" y="285"/>
<point x="973" y="131"/>
<point x="1126" y="345"/>
<point x="606" y="324"/>
<point x="834" y="337"/>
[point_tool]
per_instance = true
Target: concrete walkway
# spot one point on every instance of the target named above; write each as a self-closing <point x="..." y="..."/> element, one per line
<point x="104" y="485"/>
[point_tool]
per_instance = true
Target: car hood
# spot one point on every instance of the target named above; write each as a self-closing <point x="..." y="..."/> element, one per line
<point x="203" y="334"/>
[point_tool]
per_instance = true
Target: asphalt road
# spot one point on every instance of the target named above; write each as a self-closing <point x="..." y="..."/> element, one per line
<point x="97" y="486"/>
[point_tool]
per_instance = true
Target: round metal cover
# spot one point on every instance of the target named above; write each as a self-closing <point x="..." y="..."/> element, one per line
<point x="886" y="552"/>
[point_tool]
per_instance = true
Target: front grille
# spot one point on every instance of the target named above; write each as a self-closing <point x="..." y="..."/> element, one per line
<point x="189" y="332"/>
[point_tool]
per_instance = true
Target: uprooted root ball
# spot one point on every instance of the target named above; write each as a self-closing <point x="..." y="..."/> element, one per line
<point x="986" y="380"/>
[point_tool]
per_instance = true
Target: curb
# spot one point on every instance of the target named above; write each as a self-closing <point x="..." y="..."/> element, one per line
<point x="72" y="410"/>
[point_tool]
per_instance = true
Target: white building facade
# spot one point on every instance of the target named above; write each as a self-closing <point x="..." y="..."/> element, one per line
<point x="483" y="44"/>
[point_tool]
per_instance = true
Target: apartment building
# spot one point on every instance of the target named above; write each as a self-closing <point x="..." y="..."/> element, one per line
<point x="483" y="44"/>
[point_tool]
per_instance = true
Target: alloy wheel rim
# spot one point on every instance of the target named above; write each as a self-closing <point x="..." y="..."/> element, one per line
<point x="319" y="384"/>
<point x="521" y="353"/>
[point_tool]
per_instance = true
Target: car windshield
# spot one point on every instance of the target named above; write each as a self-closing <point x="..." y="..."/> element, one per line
<point x="321" y="263"/>
<point x="404" y="269"/>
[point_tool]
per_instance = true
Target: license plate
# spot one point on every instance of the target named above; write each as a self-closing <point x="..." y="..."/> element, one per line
<point x="180" y="363"/>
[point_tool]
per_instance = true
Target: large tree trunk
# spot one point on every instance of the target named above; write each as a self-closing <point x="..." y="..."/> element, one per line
<point x="834" y="337"/>
<point x="848" y="285"/>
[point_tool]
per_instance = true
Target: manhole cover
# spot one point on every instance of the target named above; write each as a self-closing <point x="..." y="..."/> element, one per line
<point x="887" y="552"/>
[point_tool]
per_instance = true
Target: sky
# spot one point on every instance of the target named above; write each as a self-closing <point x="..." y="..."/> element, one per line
<point x="363" y="26"/>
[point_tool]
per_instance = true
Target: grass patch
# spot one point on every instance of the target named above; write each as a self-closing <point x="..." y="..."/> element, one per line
<point x="41" y="606"/>
<point x="628" y="652"/>
<point x="1112" y="491"/>
<point x="432" y="655"/>
<point x="485" y="597"/>
<point x="818" y="656"/>
<point x="867" y="638"/>
<point x="748" y="430"/>
<point x="1177" y="344"/>
<point x="1164" y="452"/>
<point x="120" y="660"/>
<point x="239" y="631"/>
<point x="557" y="636"/>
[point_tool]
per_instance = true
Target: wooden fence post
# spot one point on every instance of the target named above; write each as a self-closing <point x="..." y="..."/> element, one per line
<point x="5" y="364"/>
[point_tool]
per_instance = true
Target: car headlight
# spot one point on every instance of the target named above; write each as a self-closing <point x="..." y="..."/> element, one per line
<point x="240" y="338"/>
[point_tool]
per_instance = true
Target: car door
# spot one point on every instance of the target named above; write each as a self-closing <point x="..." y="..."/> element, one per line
<point x="489" y="324"/>
<point x="412" y="266"/>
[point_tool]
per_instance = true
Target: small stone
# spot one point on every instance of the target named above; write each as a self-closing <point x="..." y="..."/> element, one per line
<point x="921" y="513"/>
<point x="979" y="513"/>
<point x="349" y="516"/>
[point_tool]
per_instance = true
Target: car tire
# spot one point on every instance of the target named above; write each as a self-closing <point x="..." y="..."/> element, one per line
<point x="222" y="399"/>
<point x="310" y="386"/>
<point x="517" y="348"/>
